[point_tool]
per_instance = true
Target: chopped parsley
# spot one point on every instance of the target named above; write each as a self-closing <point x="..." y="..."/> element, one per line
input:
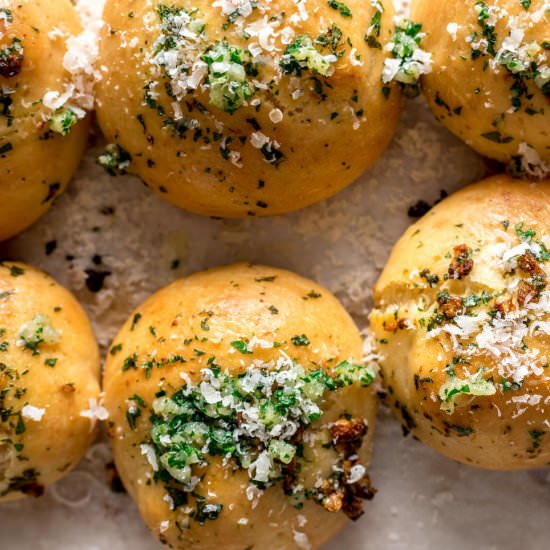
<point x="6" y="148"/>
<point x="6" y="15"/>
<point x="372" y="36"/>
<point x="475" y="385"/>
<point x="38" y="331"/>
<point x="302" y="55"/>
<point x="497" y="137"/>
<point x="115" y="160"/>
<point x="332" y="39"/>
<point x="62" y="121"/>
<point x="301" y="340"/>
<point x="344" y="10"/>
<point x="269" y="279"/>
<point x="430" y="277"/>
<point x="115" y="349"/>
<point x="228" y="69"/>
<point x="409" y="61"/>
<point x="135" y="320"/>
<point x="242" y="346"/>
<point x="16" y="271"/>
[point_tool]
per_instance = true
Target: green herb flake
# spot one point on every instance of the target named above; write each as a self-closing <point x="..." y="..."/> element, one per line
<point x="115" y="160"/>
<point x="6" y="15"/>
<point x="16" y="271"/>
<point x="242" y="346"/>
<point x="474" y="385"/>
<point x="135" y="320"/>
<point x="228" y="77"/>
<point x="300" y="340"/>
<point x="62" y="121"/>
<point x="130" y="362"/>
<point x="269" y="279"/>
<point x="344" y="10"/>
<point x="115" y="349"/>
<point x="497" y="137"/>
<point x="302" y="55"/>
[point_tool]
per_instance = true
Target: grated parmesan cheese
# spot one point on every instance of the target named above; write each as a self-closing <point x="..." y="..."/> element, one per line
<point x="32" y="413"/>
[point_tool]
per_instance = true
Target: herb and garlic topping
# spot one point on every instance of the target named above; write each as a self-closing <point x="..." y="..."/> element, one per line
<point x="524" y="61"/>
<point x="497" y="327"/>
<point x="262" y="421"/>
<point x="36" y="332"/>
<point x="503" y="51"/>
<point x="269" y="56"/>
<point x="409" y="60"/>
<point x="491" y="341"/>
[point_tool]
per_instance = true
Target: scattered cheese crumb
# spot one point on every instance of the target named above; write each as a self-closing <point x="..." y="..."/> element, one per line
<point x="33" y="413"/>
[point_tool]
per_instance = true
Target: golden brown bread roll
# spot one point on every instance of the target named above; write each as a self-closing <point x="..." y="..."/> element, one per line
<point x="49" y="380"/>
<point x="241" y="413"/>
<point x="234" y="109"/>
<point x="461" y="319"/>
<point x="490" y="81"/>
<point x="41" y="135"/>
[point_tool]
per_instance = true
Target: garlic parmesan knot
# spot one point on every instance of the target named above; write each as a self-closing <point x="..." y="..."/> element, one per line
<point x="239" y="108"/>
<point x="490" y="78"/>
<point x="462" y="326"/>
<point x="238" y="416"/>
<point x="49" y="376"/>
<point x="44" y="99"/>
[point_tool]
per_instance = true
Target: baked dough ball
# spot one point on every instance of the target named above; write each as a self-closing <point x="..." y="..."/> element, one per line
<point x="241" y="413"/>
<point x="462" y="321"/>
<point x="41" y="138"/>
<point x="49" y="381"/>
<point x="240" y="108"/>
<point x="490" y="81"/>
